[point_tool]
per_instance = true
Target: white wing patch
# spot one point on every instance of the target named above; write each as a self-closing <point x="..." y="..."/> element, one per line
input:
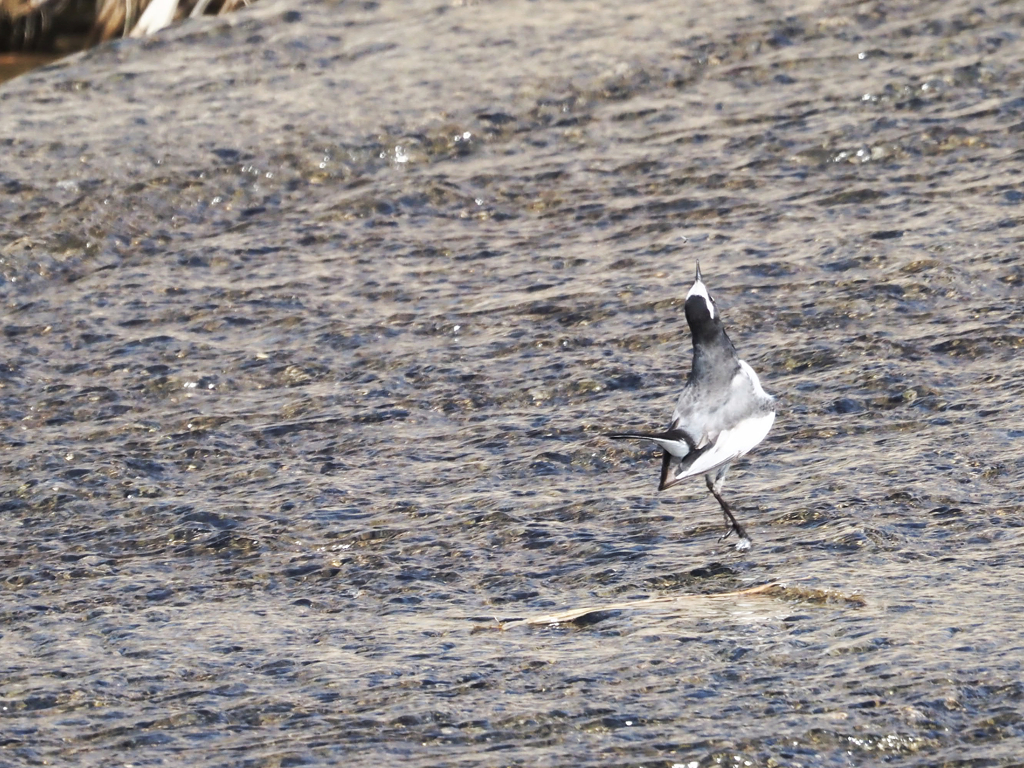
<point x="731" y="444"/>
<point x="754" y="381"/>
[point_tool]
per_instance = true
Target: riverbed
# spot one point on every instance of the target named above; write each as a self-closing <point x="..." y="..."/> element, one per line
<point x="315" y="314"/>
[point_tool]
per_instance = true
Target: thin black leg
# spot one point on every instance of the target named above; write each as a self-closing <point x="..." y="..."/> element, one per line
<point x="715" y="486"/>
<point x="730" y="518"/>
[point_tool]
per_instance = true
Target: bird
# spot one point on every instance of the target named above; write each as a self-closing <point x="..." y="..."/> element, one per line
<point x="722" y="413"/>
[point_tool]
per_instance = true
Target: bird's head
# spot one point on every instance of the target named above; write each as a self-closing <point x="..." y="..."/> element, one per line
<point x="700" y="307"/>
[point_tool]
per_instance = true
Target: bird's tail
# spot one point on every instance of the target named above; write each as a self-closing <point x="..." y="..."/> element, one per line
<point x="633" y="436"/>
<point x="675" y="440"/>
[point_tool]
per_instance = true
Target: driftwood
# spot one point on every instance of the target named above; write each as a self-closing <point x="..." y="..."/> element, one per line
<point x="771" y="590"/>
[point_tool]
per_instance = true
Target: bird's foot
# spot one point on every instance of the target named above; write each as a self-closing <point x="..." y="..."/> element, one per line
<point x="742" y="540"/>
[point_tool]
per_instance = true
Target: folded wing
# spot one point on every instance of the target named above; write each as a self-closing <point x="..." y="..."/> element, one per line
<point x="739" y="420"/>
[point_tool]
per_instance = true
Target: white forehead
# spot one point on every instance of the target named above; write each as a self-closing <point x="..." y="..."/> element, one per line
<point x="699" y="289"/>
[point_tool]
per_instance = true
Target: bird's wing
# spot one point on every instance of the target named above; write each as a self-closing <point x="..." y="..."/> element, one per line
<point x="730" y="444"/>
<point x="728" y="424"/>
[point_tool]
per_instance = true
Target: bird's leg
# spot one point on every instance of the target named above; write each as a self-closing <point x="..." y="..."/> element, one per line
<point x="715" y="486"/>
<point x="730" y="518"/>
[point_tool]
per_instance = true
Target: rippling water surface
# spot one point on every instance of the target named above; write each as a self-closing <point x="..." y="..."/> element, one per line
<point x="313" y="317"/>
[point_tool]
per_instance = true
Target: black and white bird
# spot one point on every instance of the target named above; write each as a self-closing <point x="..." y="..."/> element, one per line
<point x="722" y="413"/>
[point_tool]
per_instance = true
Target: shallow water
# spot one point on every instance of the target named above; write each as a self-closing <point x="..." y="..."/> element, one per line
<point x="314" y="316"/>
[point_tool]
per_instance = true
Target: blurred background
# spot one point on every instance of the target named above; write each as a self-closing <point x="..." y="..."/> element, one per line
<point x="62" y="26"/>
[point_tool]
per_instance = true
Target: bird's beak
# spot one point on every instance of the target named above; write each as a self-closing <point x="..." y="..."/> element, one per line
<point x="698" y="273"/>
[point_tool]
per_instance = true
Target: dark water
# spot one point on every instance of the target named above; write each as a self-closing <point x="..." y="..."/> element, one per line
<point x="313" y="316"/>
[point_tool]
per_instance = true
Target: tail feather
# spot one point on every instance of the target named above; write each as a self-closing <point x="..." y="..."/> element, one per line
<point x="638" y="436"/>
<point x="674" y="435"/>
